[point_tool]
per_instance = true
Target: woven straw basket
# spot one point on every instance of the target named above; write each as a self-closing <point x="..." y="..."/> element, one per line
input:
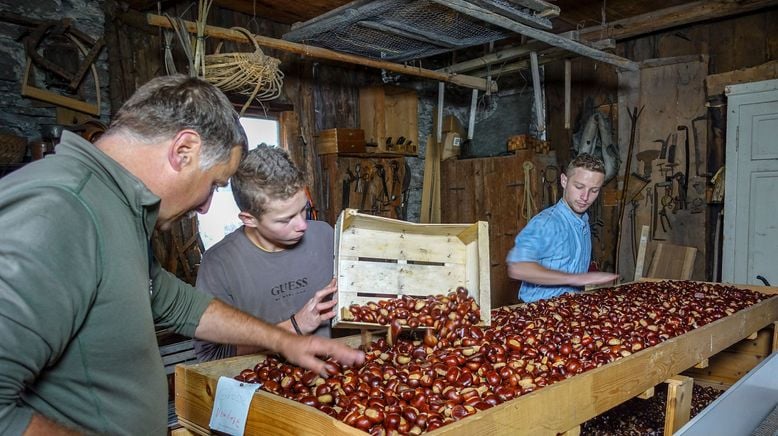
<point x="253" y="74"/>
<point x="12" y="148"/>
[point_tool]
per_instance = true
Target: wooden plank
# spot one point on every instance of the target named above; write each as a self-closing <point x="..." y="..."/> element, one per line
<point x="574" y="400"/>
<point x="639" y="263"/>
<point x="715" y="83"/>
<point x="323" y="53"/>
<point x="665" y="263"/>
<point x="679" y="403"/>
<point x="775" y="336"/>
<point x="674" y="16"/>
<point x="549" y="38"/>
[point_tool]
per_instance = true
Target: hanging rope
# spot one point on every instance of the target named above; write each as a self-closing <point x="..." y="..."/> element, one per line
<point x="528" y="207"/>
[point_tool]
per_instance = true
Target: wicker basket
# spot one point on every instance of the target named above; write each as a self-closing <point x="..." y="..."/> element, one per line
<point x="255" y="75"/>
<point x="12" y="148"/>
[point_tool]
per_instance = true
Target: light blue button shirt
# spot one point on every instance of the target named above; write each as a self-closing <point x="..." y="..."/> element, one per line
<point x="558" y="239"/>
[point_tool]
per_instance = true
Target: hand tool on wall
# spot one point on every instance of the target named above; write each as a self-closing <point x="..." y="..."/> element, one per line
<point x="663" y="150"/>
<point x="367" y="177"/>
<point x="406" y="187"/>
<point x="687" y="159"/>
<point x="347" y="188"/>
<point x="647" y="157"/>
<point x="550" y="190"/>
<point x="634" y="114"/>
<point x="382" y="175"/>
<point x="680" y="198"/>
<point x="697" y="151"/>
<point x="358" y="178"/>
<point x="671" y="148"/>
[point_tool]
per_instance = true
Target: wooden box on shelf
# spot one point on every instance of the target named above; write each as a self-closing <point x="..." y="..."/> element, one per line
<point x="338" y="141"/>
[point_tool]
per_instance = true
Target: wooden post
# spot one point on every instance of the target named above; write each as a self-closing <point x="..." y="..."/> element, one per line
<point x="538" y="93"/>
<point x="641" y="260"/>
<point x="679" y="403"/>
<point x="775" y="336"/>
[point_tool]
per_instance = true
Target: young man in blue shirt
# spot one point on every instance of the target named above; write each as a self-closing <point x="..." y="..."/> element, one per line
<point x="551" y="254"/>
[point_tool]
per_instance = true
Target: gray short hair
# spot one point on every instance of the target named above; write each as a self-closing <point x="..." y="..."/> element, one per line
<point x="168" y="104"/>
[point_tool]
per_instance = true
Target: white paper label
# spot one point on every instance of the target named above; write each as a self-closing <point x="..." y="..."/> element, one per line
<point x="231" y="405"/>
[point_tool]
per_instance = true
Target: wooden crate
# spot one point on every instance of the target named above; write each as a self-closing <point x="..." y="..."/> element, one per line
<point x="379" y="258"/>
<point x="338" y="141"/>
<point x="548" y="411"/>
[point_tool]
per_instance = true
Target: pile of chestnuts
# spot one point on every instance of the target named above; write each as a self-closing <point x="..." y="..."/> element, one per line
<point x="418" y="384"/>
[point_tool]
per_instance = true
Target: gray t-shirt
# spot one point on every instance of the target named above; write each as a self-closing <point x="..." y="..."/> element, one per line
<point x="270" y="286"/>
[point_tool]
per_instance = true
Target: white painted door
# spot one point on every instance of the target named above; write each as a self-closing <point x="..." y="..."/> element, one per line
<point x="750" y="245"/>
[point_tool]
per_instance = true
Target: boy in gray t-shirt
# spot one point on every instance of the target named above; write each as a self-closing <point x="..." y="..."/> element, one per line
<point x="278" y="266"/>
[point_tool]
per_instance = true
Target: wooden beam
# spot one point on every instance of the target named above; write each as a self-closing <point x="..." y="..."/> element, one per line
<point x="549" y="38"/>
<point x="323" y="53"/>
<point x="516" y="52"/>
<point x="514" y="14"/>
<point x="715" y="83"/>
<point x="675" y="16"/>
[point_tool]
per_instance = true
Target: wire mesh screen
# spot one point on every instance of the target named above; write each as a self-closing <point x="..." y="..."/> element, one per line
<point x="399" y="30"/>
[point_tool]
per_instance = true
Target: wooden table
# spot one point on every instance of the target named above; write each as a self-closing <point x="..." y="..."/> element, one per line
<point x="551" y="410"/>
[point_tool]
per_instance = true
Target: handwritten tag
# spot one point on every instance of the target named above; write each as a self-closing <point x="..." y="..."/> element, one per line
<point x="231" y="405"/>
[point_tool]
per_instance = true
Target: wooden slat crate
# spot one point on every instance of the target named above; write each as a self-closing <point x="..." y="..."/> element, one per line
<point x="548" y="411"/>
<point x="380" y="258"/>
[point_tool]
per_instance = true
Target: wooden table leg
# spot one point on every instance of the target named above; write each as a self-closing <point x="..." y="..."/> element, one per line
<point x="679" y="403"/>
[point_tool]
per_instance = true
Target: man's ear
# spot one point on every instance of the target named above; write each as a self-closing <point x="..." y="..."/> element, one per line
<point x="184" y="148"/>
<point x="563" y="180"/>
<point x="248" y="219"/>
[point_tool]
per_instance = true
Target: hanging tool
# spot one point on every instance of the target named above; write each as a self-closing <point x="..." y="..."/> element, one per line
<point x="367" y="177"/>
<point x="634" y="114"/>
<point x="687" y="159"/>
<point x="647" y="157"/>
<point x="382" y="175"/>
<point x="697" y="153"/>
<point x="528" y="208"/>
<point x="406" y="189"/>
<point x="680" y="198"/>
<point x="550" y="178"/>
<point x="350" y="177"/>
<point x="358" y="174"/>
<point x="663" y="150"/>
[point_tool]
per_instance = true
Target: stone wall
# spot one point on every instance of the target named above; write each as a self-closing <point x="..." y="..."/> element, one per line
<point x="25" y="116"/>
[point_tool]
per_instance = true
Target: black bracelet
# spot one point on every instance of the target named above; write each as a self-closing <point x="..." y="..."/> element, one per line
<point x="296" y="327"/>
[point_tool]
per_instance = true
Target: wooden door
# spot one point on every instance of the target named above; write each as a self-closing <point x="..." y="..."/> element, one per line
<point x="751" y="186"/>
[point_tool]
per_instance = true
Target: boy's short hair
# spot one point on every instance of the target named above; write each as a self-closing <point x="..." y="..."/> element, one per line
<point x="266" y="173"/>
<point x="587" y="162"/>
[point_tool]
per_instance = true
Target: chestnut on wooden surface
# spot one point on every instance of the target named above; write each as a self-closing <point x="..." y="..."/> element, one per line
<point x="412" y="385"/>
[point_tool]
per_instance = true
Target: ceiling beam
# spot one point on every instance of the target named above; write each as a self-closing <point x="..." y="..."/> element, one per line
<point x="517" y="52"/>
<point x="631" y="27"/>
<point x="662" y="19"/>
<point x="322" y="53"/>
<point x="472" y="10"/>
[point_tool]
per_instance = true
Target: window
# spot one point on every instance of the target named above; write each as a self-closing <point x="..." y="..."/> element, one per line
<point x="222" y="217"/>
